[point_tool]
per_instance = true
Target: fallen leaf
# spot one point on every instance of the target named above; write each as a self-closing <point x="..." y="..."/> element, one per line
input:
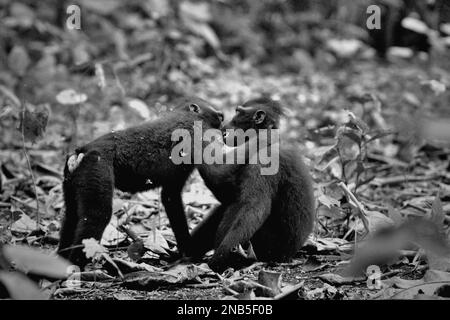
<point x="20" y="287"/>
<point x="30" y="260"/>
<point x="140" y="107"/>
<point x="92" y="248"/>
<point x="70" y="97"/>
<point x="18" y="60"/>
<point x="156" y="242"/>
<point x="33" y="121"/>
<point x="271" y="280"/>
<point x="24" y="225"/>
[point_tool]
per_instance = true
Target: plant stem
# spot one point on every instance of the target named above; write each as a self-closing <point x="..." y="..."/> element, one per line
<point x="38" y="217"/>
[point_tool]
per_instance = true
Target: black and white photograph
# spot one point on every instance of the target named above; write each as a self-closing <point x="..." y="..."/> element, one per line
<point x="241" y="151"/>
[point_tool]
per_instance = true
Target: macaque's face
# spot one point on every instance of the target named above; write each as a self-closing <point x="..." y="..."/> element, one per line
<point x="248" y="117"/>
<point x="235" y="130"/>
<point x="204" y="108"/>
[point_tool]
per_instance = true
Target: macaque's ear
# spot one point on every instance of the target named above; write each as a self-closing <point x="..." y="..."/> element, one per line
<point x="259" y="116"/>
<point x="194" y="108"/>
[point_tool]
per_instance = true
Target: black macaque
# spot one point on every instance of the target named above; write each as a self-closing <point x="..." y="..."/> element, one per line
<point x="274" y="212"/>
<point x="392" y="33"/>
<point x="132" y="160"/>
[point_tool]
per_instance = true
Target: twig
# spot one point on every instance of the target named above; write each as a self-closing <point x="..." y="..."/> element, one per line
<point x="349" y="232"/>
<point x="9" y="94"/>
<point x="251" y="267"/>
<point x="119" y="83"/>
<point x="118" y="249"/>
<point x="401" y="179"/>
<point x="360" y="207"/>
<point x="112" y="263"/>
<point x="288" y="292"/>
<point x="143" y="203"/>
<point x="38" y="217"/>
<point x="390" y="161"/>
<point x="234" y="293"/>
<point x="203" y="285"/>
<point x="342" y="165"/>
<point x="72" y="247"/>
<point x="408" y="253"/>
<point x="129" y="233"/>
<point x="417" y="208"/>
<point x="390" y="274"/>
<point x="22" y="202"/>
<point x="132" y="63"/>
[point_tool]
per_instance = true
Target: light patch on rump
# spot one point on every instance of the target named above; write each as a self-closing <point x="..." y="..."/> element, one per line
<point x="74" y="161"/>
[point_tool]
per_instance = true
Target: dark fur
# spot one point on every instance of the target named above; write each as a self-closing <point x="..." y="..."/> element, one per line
<point x="245" y="113"/>
<point x="132" y="160"/>
<point x="274" y="212"/>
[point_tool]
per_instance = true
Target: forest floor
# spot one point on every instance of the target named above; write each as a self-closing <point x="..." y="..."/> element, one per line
<point x="374" y="135"/>
<point x="401" y="186"/>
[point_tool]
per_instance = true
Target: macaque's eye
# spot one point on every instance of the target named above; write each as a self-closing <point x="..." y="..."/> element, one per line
<point x="220" y="115"/>
<point x="194" y="108"/>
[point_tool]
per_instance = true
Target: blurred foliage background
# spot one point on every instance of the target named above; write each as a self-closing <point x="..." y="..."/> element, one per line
<point x="369" y="108"/>
<point x="155" y="51"/>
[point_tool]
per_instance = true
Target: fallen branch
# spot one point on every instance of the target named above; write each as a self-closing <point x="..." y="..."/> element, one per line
<point x="380" y="182"/>
<point x="294" y="288"/>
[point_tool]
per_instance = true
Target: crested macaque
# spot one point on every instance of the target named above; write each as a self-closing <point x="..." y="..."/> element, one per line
<point x="392" y="32"/>
<point x="132" y="160"/>
<point x="275" y="213"/>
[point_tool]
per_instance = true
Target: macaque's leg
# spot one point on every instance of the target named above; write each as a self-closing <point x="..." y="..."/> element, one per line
<point x="173" y="204"/>
<point x="69" y="222"/>
<point x="240" y="222"/>
<point x="90" y="197"/>
<point x="204" y="233"/>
